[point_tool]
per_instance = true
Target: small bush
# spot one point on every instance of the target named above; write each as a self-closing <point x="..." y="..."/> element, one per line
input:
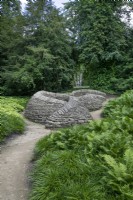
<point x="121" y="106"/>
<point x="11" y="120"/>
<point x="113" y="80"/>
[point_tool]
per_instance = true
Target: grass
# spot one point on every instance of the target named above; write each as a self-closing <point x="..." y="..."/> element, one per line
<point x="88" y="162"/>
<point x="11" y="121"/>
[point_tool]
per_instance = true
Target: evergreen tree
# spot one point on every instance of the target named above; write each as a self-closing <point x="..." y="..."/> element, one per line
<point x="45" y="59"/>
<point x="11" y="31"/>
<point x="43" y="48"/>
<point x="101" y="38"/>
<point x="49" y="32"/>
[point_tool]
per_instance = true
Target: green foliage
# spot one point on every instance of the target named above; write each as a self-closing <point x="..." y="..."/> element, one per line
<point x="92" y="161"/>
<point x="103" y="42"/>
<point x="63" y="175"/>
<point x="42" y="48"/>
<point x="115" y="80"/>
<point x="123" y="79"/>
<point x="15" y="103"/>
<point x="100" y="79"/>
<point x="120" y="106"/>
<point x="71" y="139"/>
<point x="40" y="57"/>
<point x="11" y="120"/>
<point x="119" y="175"/>
<point x="11" y="39"/>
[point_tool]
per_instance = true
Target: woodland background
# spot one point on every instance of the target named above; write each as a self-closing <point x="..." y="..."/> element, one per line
<point x="44" y="48"/>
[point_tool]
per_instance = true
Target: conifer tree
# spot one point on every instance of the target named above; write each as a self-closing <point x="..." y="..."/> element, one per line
<point x="101" y="37"/>
<point x="44" y="62"/>
<point x="10" y="33"/>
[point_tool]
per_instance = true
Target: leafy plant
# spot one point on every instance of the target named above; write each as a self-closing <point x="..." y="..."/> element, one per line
<point x="120" y="106"/>
<point x="11" y="121"/>
<point x="119" y="176"/>
<point x="92" y="161"/>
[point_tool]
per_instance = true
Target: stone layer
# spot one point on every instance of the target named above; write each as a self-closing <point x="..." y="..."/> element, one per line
<point x="61" y="110"/>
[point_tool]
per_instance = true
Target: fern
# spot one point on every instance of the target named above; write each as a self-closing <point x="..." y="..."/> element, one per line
<point x="120" y="175"/>
<point x="88" y="162"/>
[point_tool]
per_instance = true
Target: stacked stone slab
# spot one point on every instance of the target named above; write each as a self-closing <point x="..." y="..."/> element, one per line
<point x="91" y="101"/>
<point x="59" y="96"/>
<point x="78" y="93"/>
<point x="71" y="113"/>
<point x="43" y="104"/>
<point x="61" y="110"/>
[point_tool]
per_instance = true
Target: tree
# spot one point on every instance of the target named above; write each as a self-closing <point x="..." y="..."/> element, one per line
<point x="11" y="32"/>
<point x="49" y="32"/>
<point x="45" y="61"/>
<point x="101" y="37"/>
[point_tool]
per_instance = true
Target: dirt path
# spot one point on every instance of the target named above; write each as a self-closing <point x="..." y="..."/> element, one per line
<point x="97" y="114"/>
<point x="14" y="159"/>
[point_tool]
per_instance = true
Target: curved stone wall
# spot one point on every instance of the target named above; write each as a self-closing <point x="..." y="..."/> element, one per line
<point x="78" y="93"/>
<point x="71" y="113"/>
<point x="40" y="107"/>
<point x="61" y="110"/>
<point x="59" y="96"/>
<point x="91" y="101"/>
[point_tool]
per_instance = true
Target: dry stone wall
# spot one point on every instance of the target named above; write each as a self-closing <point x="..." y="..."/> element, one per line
<point x="61" y="110"/>
<point x="78" y="93"/>
<point x="91" y="101"/>
<point x="40" y="107"/>
<point x="59" y="96"/>
<point x="71" y="113"/>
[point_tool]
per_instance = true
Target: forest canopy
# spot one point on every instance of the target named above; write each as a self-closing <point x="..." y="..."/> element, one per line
<point x="43" y="48"/>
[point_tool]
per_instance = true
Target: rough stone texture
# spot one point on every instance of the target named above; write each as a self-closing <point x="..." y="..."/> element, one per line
<point x="59" y="96"/>
<point x="82" y="92"/>
<point x="91" y="101"/>
<point x="61" y="110"/>
<point x="40" y="106"/>
<point x="71" y="113"/>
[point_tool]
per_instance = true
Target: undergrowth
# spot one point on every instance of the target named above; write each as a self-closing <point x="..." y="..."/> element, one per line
<point x="88" y="162"/>
<point x="11" y="120"/>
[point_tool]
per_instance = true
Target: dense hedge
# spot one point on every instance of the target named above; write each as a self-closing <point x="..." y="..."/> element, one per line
<point x="11" y="120"/>
<point x="88" y="162"/>
<point x="114" y="80"/>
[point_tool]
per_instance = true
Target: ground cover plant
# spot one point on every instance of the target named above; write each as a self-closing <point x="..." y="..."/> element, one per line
<point x="11" y="121"/>
<point x="88" y="162"/>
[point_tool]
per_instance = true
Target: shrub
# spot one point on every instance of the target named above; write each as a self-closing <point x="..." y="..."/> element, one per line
<point x="113" y="79"/>
<point x="121" y="106"/>
<point x="11" y="120"/>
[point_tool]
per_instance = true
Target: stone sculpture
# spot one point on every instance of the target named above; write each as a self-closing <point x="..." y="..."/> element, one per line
<point x="42" y="105"/>
<point x="78" y="93"/>
<point x="71" y="113"/>
<point x="91" y="101"/>
<point x="62" y="110"/>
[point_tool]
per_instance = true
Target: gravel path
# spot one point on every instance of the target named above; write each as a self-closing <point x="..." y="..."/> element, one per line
<point x="97" y="114"/>
<point x="15" y="157"/>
